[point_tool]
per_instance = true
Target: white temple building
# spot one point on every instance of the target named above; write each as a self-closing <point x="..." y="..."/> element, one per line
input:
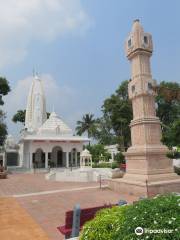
<point x="47" y="141"/>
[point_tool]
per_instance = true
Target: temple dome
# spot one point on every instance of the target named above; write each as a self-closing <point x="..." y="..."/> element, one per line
<point x="54" y="126"/>
<point x="85" y="153"/>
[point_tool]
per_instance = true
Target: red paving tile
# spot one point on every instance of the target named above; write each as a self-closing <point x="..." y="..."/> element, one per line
<point x="49" y="210"/>
<point x="30" y="183"/>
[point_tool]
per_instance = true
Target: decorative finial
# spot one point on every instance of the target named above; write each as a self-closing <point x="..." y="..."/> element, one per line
<point x="137" y="20"/>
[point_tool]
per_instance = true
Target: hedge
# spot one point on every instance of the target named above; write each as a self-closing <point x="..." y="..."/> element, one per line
<point x="119" y="223"/>
<point x="106" y="165"/>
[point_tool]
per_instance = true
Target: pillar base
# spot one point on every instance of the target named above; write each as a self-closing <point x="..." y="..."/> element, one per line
<point x="143" y="188"/>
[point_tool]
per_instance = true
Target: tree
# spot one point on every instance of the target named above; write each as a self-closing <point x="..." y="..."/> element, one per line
<point x="168" y="110"/>
<point x="98" y="151"/>
<point x="20" y="116"/>
<point x="118" y="110"/>
<point x="4" y="90"/>
<point x="117" y="114"/>
<point x="3" y="128"/>
<point x="171" y="137"/>
<point x="104" y="133"/>
<point x="87" y="124"/>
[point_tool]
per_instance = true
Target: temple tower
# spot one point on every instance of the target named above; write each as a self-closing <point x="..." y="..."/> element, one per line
<point x="36" y="106"/>
<point x="149" y="171"/>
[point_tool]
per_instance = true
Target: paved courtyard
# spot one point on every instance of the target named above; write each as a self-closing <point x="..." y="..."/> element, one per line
<point x="47" y="201"/>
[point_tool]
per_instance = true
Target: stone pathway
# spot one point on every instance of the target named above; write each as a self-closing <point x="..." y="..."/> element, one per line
<point x="48" y="201"/>
<point x="17" y="224"/>
<point x="33" y="183"/>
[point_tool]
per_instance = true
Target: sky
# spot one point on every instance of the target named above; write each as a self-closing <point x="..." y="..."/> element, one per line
<point x="77" y="48"/>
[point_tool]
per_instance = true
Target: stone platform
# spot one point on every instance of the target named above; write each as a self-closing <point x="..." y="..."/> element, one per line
<point x="83" y="174"/>
<point x="140" y="188"/>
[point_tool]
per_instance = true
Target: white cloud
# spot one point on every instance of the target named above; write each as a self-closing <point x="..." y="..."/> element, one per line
<point x="59" y="98"/>
<point x="23" y="21"/>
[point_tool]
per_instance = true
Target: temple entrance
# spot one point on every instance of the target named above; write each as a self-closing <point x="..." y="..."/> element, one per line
<point x="12" y="159"/>
<point x="57" y="157"/>
<point x="39" y="158"/>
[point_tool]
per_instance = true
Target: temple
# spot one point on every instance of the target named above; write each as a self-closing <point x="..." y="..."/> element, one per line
<point x="46" y="141"/>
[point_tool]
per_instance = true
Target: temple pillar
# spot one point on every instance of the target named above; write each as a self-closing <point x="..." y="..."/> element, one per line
<point x="30" y="160"/>
<point x="76" y="158"/>
<point x="46" y="160"/>
<point x="67" y="159"/>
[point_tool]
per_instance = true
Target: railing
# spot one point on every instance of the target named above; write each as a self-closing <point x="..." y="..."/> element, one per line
<point x="102" y="177"/>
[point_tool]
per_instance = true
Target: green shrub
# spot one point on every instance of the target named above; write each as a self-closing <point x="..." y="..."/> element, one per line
<point x="98" y="153"/>
<point x="105" y="165"/>
<point x="115" y="165"/>
<point x="119" y="223"/>
<point x="173" y="154"/>
<point x="120" y="158"/>
<point x="177" y="170"/>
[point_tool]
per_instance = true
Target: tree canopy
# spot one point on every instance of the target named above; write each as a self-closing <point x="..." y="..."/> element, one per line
<point x="113" y="126"/>
<point x="19" y="116"/>
<point x="118" y="110"/>
<point x="168" y="105"/>
<point x="168" y="110"/>
<point x="87" y="124"/>
<point x="4" y="90"/>
<point x="98" y="152"/>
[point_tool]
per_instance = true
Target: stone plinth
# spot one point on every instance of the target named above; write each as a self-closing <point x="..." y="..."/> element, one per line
<point x="135" y="188"/>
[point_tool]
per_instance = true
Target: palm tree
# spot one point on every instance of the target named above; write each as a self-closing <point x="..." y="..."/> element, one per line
<point x="87" y="124"/>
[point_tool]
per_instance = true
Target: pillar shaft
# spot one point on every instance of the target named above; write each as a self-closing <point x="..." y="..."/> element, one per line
<point x="67" y="159"/>
<point x="46" y="159"/>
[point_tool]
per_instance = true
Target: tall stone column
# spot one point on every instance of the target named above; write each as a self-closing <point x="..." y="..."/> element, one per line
<point x="148" y="170"/>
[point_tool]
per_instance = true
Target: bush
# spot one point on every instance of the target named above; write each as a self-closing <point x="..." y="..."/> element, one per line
<point x="177" y="170"/>
<point x="119" y="157"/>
<point x="105" y="165"/>
<point x="173" y="155"/>
<point x="98" y="151"/>
<point x="119" y="223"/>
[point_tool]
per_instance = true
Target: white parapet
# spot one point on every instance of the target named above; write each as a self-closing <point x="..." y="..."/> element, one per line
<point x="83" y="174"/>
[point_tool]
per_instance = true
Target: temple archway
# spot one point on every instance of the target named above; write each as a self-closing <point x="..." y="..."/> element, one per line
<point x="57" y="157"/>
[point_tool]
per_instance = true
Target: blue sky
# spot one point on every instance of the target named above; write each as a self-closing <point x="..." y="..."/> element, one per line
<point x="78" y="49"/>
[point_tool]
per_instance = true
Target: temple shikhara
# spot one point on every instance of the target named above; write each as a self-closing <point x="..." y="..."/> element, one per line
<point x="44" y="140"/>
<point x="149" y="171"/>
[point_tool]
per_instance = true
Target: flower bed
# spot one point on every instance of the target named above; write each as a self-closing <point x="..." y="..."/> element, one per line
<point x="159" y="214"/>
